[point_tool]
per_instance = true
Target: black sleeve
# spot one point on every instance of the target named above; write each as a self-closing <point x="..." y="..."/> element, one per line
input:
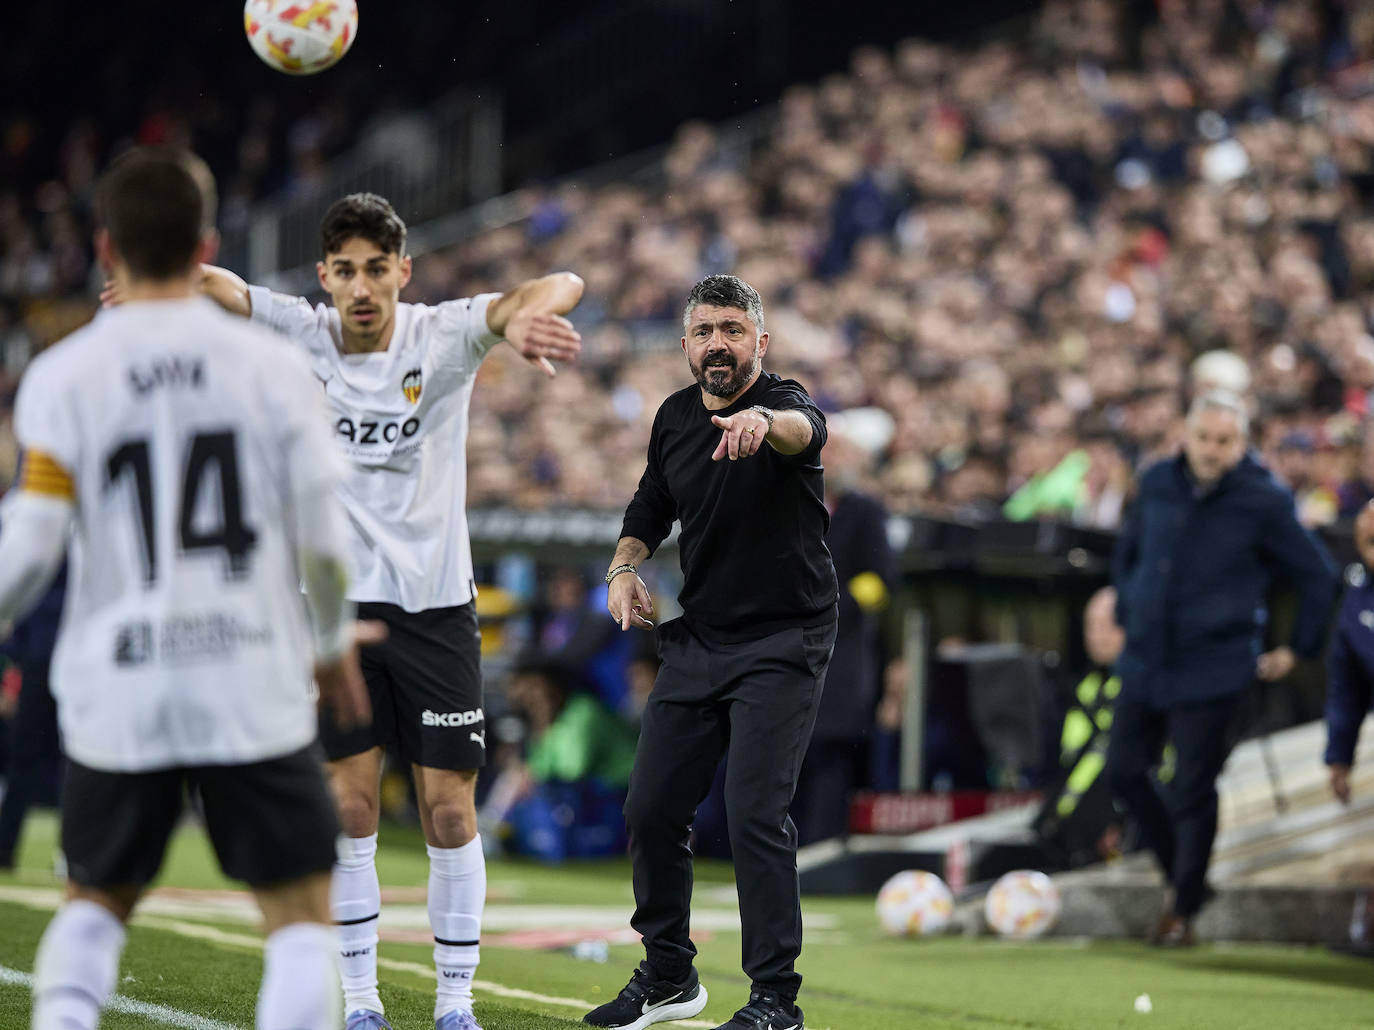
<point x="650" y="513"/>
<point x="790" y="395"/>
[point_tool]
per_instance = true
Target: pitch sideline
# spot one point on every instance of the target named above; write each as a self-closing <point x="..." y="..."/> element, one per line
<point x="37" y="898"/>
<point x="131" y="1006"/>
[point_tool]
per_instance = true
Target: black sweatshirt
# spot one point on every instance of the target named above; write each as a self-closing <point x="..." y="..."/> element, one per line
<point x="754" y="559"/>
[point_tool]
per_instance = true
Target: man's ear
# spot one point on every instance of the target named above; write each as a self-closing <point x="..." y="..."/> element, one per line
<point x="208" y="248"/>
<point x="763" y="344"/>
<point x="321" y="273"/>
<point x="105" y="252"/>
<point x="406" y="269"/>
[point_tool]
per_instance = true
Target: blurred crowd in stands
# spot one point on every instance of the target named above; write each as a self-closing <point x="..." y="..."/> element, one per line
<point x="995" y="266"/>
<point x="1001" y="271"/>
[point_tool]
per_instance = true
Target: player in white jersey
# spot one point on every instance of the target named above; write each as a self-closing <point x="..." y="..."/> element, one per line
<point x="184" y="455"/>
<point x="398" y="378"/>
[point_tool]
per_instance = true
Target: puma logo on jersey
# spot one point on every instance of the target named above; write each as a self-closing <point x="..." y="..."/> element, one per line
<point x="481" y="738"/>
<point x="428" y="718"/>
<point x="411" y="385"/>
<point x="167" y="372"/>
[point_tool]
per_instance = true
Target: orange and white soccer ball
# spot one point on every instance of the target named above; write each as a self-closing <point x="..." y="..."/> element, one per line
<point x="1022" y="904"/>
<point x="300" y="37"/>
<point x="915" y="903"/>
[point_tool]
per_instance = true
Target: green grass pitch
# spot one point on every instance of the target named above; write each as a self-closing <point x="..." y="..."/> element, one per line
<point x="204" y="963"/>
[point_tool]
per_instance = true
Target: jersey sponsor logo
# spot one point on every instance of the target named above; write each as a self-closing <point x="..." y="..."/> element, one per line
<point x="428" y="718"/>
<point x="481" y="738"/>
<point x="411" y="385"/>
<point x="207" y="636"/>
<point x="133" y="644"/>
<point x="372" y="431"/>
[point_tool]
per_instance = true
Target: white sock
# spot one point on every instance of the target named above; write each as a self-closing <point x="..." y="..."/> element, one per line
<point x="457" y="892"/>
<point x="300" y="979"/>
<point x="355" y="900"/>
<point x="76" y="966"/>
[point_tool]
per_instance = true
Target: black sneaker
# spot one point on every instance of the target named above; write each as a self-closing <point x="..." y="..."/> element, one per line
<point x="647" y="999"/>
<point x="766" y="1011"/>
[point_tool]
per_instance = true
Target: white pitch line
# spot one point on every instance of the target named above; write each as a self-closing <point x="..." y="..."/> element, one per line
<point x="215" y="935"/>
<point x="239" y="940"/>
<point x="133" y="1007"/>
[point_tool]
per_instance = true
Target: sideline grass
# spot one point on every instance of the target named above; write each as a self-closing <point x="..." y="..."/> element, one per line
<point x="856" y="979"/>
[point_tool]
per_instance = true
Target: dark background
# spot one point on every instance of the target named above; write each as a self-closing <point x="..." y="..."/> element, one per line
<point x="579" y="83"/>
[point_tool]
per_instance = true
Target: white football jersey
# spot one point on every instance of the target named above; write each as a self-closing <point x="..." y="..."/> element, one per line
<point x="192" y="439"/>
<point x="401" y="418"/>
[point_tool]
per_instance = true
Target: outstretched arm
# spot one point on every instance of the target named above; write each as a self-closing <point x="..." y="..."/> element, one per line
<point x="226" y="289"/>
<point x="743" y="433"/>
<point x="530" y="317"/>
<point x="219" y="284"/>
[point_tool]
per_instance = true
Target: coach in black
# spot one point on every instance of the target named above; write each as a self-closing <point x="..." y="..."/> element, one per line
<point x="735" y="460"/>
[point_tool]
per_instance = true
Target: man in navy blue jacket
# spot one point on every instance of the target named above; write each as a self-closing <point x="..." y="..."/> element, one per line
<point x="1192" y="569"/>
<point x="1350" y="665"/>
<point x="35" y="755"/>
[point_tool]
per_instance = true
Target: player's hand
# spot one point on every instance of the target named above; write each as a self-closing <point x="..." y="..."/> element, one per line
<point x="1339" y="778"/>
<point x="543" y="338"/>
<point x="110" y="295"/>
<point x="341" y="681"/>
<point x="1276" y="664"/>
<point x="629" y="602"/>
<point x="742" y="434"/>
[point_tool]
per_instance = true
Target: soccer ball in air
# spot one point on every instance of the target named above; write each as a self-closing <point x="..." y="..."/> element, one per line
<point x="915" y="903"/>
<point x="1022" y="904"/>
<point x="300" y="37"/>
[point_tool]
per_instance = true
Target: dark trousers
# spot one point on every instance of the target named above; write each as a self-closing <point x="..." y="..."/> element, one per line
<point x="830" y="774"/>
<point x="34" y="755"/>
<point x="755" y="701"/>
<point x="1202" y="735"/>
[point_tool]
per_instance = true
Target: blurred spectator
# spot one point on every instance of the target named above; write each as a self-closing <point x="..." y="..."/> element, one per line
<point x="837" y="759"/>
<point x="1192" y="568"/>
<point x="1350" y="664"/>
<point x="1295" y="466"/>
<point x="33" y="771"/>
<point x="576" y="767"/>
<point x="1016" y="251"/>
<point x="574" y="631"/>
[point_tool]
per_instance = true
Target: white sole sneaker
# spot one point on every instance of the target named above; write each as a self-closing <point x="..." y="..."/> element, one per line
<point x="672" y="1010"/>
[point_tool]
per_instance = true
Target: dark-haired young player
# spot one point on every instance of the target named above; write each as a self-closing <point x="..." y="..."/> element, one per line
<point x="398" y="378"/>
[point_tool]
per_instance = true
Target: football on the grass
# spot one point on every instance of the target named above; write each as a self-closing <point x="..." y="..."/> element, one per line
<point x="915" y="903"/>
<point x="300" y="37"/>
<point x="1022" y="904"/>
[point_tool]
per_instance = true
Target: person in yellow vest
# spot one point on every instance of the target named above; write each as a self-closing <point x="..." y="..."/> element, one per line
<point x="1091" y="712"/>
<point x="1083" y="742"/>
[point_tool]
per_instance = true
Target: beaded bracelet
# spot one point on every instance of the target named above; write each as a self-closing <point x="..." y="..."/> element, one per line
<point x="627" y="567"/>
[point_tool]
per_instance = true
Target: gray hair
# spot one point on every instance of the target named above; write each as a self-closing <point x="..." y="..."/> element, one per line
<point x="1222" y="400"/>
<point x="725" y="291"/>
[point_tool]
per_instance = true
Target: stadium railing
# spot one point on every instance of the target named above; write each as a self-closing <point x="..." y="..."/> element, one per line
<point x="427" y="162"/>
